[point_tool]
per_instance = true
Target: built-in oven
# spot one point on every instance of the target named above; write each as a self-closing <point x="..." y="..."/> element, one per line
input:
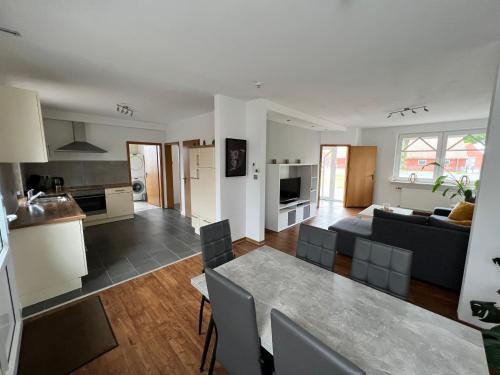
<point x="10" y="309"/>
<point x="92" y="202"/>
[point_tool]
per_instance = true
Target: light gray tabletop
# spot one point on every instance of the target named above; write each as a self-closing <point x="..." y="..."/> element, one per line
<point x="379" y="333"/>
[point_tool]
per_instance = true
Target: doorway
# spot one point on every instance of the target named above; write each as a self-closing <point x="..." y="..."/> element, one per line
<point x="173" y="175"/>
<point x="145" y="161"/>
<point x="333" y="168"/>
<point x="187" y="176"/>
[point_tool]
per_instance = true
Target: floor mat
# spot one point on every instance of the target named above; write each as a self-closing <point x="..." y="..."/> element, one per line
<point x="65" y="339"/>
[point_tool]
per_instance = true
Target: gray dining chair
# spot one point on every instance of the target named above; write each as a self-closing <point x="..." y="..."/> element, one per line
<point x="237" y="342"/>
<point x="297" y="352"/>
<point x="317" y="246"/>
<point x="216" y="249"/>
<point x="383" y="267"/>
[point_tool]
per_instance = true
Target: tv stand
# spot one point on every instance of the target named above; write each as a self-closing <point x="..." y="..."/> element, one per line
<point x="280" y="216"/>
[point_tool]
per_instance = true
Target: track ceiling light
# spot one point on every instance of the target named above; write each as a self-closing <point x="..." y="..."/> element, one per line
<point x="413" y="110"/>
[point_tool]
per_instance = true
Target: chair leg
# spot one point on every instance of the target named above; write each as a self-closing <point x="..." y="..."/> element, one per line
<point x="214" y="354"/>
<point x="200" y="316"/>
<point x="208" y="338"/>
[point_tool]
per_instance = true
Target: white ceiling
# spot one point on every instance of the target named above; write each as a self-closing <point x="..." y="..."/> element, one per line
<point x="347" y="61"/>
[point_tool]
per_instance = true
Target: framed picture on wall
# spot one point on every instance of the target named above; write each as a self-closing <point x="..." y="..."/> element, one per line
<point x="236" y="157"/>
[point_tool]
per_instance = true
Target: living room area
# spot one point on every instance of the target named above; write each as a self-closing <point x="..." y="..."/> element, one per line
<point x="421" y="173"/>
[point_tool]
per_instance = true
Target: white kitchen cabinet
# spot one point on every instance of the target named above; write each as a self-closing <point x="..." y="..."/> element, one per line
<point x="119" y="202"/>
<point x="49" y="260"/>
<point x="22" y="137"/>
<point x="202" y="166"/>
<point x="193" y="162"/>
<point x="206" y="157"/>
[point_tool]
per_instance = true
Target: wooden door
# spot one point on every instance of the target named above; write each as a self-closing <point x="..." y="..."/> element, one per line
<point x="360" y="176"/>
<point x="152" y="169"/>
<point x="169" y="176"/>
<point x="186" y="178"/>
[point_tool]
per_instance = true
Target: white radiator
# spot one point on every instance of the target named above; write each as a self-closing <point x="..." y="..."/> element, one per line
<point x="423" y="199"/>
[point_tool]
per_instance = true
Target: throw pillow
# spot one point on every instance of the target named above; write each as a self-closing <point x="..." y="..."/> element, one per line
<point x="466" y="223"/>
<point x="462" y="211"/>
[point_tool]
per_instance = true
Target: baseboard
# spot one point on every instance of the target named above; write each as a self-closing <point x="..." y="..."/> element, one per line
<point x="243" y="239"/>
<point x="89" y="223"/>
<point x="247" y="239"/>
<point x="258" y="243"/>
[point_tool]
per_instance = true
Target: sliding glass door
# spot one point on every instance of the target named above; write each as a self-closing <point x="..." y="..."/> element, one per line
<point x="333" y="172"/>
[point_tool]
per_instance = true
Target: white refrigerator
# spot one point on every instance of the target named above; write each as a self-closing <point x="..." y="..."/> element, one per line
<point x="10" y="309"/>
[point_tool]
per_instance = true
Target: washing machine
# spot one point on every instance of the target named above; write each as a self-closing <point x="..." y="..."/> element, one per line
<point x="139" y="189"/>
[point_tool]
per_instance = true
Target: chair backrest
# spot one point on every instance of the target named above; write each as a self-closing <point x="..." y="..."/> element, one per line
<point x="382" y="266"/>
<point x="297" y="352"/>
<point x="317" y="246"/>
<point x="233" y="310"/>
<point x="216" y="244"/>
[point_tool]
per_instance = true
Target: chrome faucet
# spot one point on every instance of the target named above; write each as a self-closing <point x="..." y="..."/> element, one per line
<point x="32" y="197"/>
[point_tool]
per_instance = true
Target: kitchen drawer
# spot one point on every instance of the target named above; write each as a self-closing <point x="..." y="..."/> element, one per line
<point x="118" y="190"/>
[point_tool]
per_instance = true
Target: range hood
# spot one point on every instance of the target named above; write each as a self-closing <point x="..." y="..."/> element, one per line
<point x="80" y="143"/>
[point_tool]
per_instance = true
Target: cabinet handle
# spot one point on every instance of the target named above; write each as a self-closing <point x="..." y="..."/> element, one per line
<point x="198" y="159"/>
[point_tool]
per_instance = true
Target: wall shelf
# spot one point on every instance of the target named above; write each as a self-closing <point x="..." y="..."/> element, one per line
<point x="281" y="216"/>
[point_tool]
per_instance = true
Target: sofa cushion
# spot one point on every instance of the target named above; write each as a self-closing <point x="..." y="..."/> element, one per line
<point x="348" y="230"/>
<point x="446" y="223"/>
<point x="414" y="219"/>
<point x="353" y="225"/>
<point x="462" y="211"/>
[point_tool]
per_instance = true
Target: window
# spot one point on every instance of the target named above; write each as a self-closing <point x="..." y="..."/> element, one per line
<point x="414" y="153"/>
<point x="465" y="152"/>
<point x="460" y="153"/>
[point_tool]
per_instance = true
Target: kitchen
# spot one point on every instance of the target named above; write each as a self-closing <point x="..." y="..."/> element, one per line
<point x="65" y="183"/>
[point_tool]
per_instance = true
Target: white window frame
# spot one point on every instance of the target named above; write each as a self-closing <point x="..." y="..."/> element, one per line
<point x="440" y="151"/>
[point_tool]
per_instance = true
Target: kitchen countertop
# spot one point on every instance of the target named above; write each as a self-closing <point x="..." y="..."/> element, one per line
<point x="46" y="213"/>
<point x="92" y="187"/>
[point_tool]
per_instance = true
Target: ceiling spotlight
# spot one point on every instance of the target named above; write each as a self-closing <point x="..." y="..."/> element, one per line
<point x="125" y="109"/>
<point x="402" y="114"/>
<point x="389" y="116"/>
<point x="258" y="84"/>
<point x="10" y="31"/>
<point x="413" y="111"/>
<point x="426" y="109"/>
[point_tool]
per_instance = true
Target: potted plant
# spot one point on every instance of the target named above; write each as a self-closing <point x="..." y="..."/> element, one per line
<point x="459" y="186"/>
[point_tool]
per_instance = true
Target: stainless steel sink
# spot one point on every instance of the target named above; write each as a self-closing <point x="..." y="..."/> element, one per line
<point x="52" y="198"/>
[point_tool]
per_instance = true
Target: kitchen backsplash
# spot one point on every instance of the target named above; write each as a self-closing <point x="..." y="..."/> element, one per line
<point x="80" y="173"/>
<point x="10" y="184"/>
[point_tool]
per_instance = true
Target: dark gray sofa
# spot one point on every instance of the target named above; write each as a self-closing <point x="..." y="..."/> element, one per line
<point x="439" y="246"/>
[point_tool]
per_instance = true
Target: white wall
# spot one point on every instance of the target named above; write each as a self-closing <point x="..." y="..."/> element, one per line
<point x="482" y="277"/>
<point x="292" y="142"/>
<point x="198" y="127"/>
<point x="386" y="141"/>
<point x="351" y="136"/>
<point x="112" y="138"/>
<point x="256" y="129"/>
<point x="230" y="122"/>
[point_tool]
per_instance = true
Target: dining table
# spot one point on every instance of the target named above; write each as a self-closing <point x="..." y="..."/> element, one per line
<point x="378" y="332"/>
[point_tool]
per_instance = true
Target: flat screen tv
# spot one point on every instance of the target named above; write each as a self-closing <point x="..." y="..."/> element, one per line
<point x="289" y="189"/>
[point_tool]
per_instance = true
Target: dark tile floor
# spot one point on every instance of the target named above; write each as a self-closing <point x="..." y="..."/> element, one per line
<point x="121" y="250"/>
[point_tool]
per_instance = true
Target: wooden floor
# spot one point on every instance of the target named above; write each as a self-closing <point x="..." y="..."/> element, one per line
<point x="154" y="317"/>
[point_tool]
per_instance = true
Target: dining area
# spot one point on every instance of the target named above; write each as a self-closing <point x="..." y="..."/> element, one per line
<point x="274" y="313"/>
